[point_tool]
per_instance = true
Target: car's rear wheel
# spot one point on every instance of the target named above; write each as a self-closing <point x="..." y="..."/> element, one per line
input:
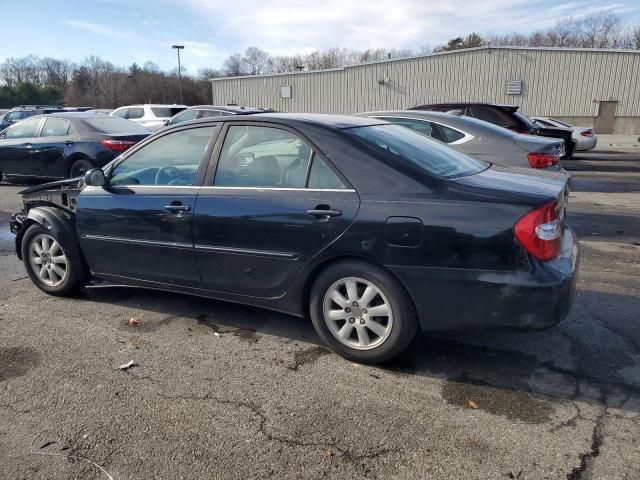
<point x="49" y="263"/>
<point x="79" y="168"/>
<point x="361" y="312"/>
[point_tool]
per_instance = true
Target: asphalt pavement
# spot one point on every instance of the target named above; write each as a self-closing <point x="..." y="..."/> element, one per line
<point x="226" y="391"/>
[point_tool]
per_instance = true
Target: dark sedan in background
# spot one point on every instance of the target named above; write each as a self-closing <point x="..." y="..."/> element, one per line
<point x="506" y="116"/>
<point x="62" y="145"/>
<point x="481" y="139"/>
<point x="25" y="111"/>
<point x="370" y="228"/>
<point x="211" y="111"/>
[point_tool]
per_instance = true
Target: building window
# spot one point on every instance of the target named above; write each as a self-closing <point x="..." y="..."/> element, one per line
<point x="285" y="91"/>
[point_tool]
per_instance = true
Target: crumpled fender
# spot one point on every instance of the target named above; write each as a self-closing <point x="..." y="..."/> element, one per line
<point x="60" y="222"/>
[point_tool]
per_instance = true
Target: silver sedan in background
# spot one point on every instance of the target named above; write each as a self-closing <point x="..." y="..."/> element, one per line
<point x="584" y="137"/>
<point x="481" y="139"/>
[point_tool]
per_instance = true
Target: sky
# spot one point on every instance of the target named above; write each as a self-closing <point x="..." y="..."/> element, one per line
<point x="127" y="31"/>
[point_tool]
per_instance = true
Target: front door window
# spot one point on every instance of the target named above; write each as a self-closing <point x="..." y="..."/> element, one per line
<point x="172" y="160"/>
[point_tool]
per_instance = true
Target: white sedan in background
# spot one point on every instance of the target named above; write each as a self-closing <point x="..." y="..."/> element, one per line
<point x="584" y="137"/>
<point x="151" y="116"/>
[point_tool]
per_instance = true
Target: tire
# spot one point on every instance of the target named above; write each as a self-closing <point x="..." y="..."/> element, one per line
<point x="569" y="150"/>
<point x="386" y="335"/>
<point x="79" y="167"/>
<point x="49" y="278"/>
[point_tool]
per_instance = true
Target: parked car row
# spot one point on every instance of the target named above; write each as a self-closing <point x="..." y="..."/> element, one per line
<point x="506" y="116"/>
<point x="62" y="145"/>
<point x="373" y="229"/>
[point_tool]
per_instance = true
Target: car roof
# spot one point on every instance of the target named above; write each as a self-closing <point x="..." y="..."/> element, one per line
<point x="340" y="122"/>
<point x="461" y="122"/>
<point x="512" y="108"/>
<point x="174" y="105"/>
<point x="230" y="108"/>
<point x="70" y="115"/>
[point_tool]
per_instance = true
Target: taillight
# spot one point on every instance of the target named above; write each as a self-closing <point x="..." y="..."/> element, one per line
<point x="543" y="160"/>
<point x="540" y="232"/>
<point x="587" y="133"/>
<point x="117" y="145"/>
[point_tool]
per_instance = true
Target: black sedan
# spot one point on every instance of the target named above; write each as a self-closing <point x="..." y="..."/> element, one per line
<point x="62" y="145"/>
<point x="370" y="228"/>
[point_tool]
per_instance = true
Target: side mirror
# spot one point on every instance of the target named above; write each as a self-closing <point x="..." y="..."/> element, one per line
<point x="95" y="178"/>
<point x="167" y="123"/>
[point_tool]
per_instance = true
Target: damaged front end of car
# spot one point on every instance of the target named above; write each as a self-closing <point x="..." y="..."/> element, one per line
<point x="51" y="205"/>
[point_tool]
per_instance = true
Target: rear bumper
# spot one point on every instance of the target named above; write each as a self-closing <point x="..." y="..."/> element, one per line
<point x="450" y="299"/>
<point x="586" y="143"/>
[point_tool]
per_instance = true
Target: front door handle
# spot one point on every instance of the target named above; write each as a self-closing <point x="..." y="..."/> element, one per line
<point x="68" y="142"/>
<point x="177" y="208"/>
<point x="323" y="213"/>
<point x="28" y="145"/>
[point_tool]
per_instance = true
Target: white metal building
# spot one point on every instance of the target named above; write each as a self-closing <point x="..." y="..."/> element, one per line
<point x="589" y="87"/>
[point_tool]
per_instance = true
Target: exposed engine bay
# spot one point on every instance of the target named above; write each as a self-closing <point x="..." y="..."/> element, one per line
<point x="61" y="194"/>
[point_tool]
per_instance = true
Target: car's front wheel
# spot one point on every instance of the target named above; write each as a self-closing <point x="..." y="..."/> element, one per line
<point x="361" y="312"/>
<point x="49" y="263"/>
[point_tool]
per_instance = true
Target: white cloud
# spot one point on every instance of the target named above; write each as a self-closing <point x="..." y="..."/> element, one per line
<point x="96" y="28"/>
<point x="299" y="26"/>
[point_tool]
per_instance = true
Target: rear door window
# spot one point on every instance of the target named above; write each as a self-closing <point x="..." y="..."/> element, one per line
<point x="55" y="127"/>
<point x="135" y="113"/>
<point x="256" y="156"/>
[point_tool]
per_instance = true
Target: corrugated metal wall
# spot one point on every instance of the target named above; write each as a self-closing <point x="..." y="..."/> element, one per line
<point x="556" y="82"/>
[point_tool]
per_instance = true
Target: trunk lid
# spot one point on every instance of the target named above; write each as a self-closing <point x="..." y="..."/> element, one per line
<point x="531" y="186"/>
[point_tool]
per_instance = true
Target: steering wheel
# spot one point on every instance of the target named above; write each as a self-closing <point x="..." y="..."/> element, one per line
<point x="172" y="174"/>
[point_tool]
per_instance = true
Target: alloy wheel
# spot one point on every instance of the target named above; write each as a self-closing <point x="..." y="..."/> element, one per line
<point x="48" y="260"/>
<point x="357" y="313"/>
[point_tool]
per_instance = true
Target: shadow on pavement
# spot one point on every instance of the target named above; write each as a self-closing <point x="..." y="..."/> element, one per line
<point x="515" y="374"/>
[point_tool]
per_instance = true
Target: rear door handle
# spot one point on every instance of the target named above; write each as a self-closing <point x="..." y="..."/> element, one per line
<point x="323" y="213"/>
<point x="68" y="142"/>
<point x="28" y="145"/>
<point x="177" y="208"/>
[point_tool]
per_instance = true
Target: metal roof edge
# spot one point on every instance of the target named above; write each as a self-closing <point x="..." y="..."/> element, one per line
<point x="433" y="54"/>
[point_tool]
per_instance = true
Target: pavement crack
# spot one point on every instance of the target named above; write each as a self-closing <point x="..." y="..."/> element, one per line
<point x="582" y="471"/>
<point x="262" y="429"/>
<point x="571" y="422"/>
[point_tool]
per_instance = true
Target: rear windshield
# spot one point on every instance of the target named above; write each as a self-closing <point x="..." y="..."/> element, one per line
<point x="410" y="146"/>
<point x="488" y="125"/>
<point x="527" y="121"/>
<point x="111" y="125"/>
<point x="166" y="111"/>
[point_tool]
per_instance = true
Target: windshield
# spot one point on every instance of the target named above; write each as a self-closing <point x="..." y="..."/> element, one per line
<point x="428" y="154"/>
<point x="111" y="125"/>
<point x="166" y="112"/>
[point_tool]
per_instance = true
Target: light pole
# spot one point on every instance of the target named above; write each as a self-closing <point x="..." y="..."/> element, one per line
<point x="178" y="48"/>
